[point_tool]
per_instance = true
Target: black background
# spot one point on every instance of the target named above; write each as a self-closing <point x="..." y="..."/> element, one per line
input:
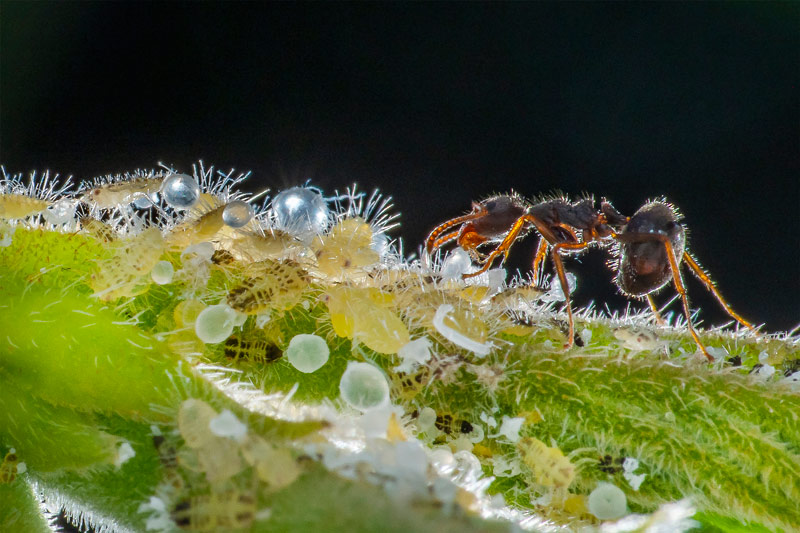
<point x="440" y="104"/>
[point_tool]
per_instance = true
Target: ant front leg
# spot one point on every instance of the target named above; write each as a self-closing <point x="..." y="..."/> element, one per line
<point x="434" y="240"/>
<point x="538" y="262"/>
<point x="502" y="248"/>
<point x="562" y="278"/>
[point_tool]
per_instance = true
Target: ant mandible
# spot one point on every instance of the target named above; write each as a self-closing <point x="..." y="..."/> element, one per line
<point x="651" y="242"/>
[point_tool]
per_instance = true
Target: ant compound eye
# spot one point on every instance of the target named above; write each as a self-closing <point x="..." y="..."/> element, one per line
<point x="490" y="205"/>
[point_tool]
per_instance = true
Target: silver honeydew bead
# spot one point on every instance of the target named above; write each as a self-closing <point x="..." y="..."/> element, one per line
<point x="237" y="213"/>
<point x="180" y="191"/>
<point x="301" y="211"/>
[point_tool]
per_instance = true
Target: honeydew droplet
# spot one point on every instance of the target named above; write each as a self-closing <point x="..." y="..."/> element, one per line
<point x="237" y="213"/>
<point x="162" y="273"/>
<point x="364" y="387"/>
<point x="180" y="191"/>
<point x="307" y="353"/>
<point x="215" y="323"/>
<point x="608" y="502"/>
<point x="301" y="211"/>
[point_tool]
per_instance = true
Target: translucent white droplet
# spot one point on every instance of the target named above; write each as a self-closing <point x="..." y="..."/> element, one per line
<point x="307" y="353"/>
<point x="301" y="211"/>
<point x="237" y="214"/>
<point x="364" y="387"/>
<point x="162" y="273"/>
<point x="215" y="323"/>
<point x="227" y="425"/>
<point x="607" y="502"/>
<point x="181" y="191"/>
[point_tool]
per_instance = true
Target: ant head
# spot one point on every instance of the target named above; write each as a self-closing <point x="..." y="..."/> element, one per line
<point x="658" y="217"/>
<point x="644" y="266"/>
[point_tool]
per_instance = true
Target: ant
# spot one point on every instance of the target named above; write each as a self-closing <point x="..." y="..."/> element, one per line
<point x="651" y="244"/>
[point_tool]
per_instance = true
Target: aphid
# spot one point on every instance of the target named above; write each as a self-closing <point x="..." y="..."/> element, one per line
<point x="168" y="457"/>
<point x="8" y="468"/>
<point x="610" y="465"/>
<point x="406" y="386"/>
<point x="98" y="229"/>
<point x="347" y="246"/>
<point x="18" y="200"/>
<point x="251" y="348"/>
<point x="269" y="284"/>
<point x="198" y="227"/>
<point x="364" y="315"/>
<point x="450" y="425"/>
<point x="273" y="244"/>
<point x="222" y="257"/>
<point x="217" y="456"/>
<point x="133" y="258"/>
<point x="221" y="511"/>
<point x="549" y="465"/>
<point x="564" y="227"/>
<point x="20" y="206"/>
<point x="114" y="192"/>
<point x="651" y="247"/>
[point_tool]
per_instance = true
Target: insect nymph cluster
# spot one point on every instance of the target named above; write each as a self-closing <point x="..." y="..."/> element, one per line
<point x="432" y="378"/>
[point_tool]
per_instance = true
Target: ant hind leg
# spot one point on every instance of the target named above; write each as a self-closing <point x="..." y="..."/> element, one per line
<point x="706" y="279"/>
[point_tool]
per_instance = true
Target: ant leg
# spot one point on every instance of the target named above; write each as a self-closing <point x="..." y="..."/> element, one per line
<point x="678" y="279"/>
<point x="660" y="321"/>
<point x="538" y="262"/>
<point x="562" y="278"/>
<point x="701" y="274"/>
<point x="430" y="242"/>
<point x="441" y="241"/>
<point x="503" y="247"/>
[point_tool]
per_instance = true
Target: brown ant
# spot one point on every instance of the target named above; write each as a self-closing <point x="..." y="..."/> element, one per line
<point x="651" y="243"/>
<point x="504" y="219"/>
<point x="651" y="247"/>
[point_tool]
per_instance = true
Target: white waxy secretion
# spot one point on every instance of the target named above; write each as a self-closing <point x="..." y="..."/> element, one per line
<point x="413" y="355"/>
<point x="61" y="212"/>
<point x="215" y="323"/>
<point x="307" y="353"/>
<point x="608" y="502"/>
<point x="162" y="273"/>
<point x="227" y="425"/>
<point x="237" y="214"/>
<point x="180" y="191"/>
<point x="301" y="211"/>
<point x="364" y="387"/>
